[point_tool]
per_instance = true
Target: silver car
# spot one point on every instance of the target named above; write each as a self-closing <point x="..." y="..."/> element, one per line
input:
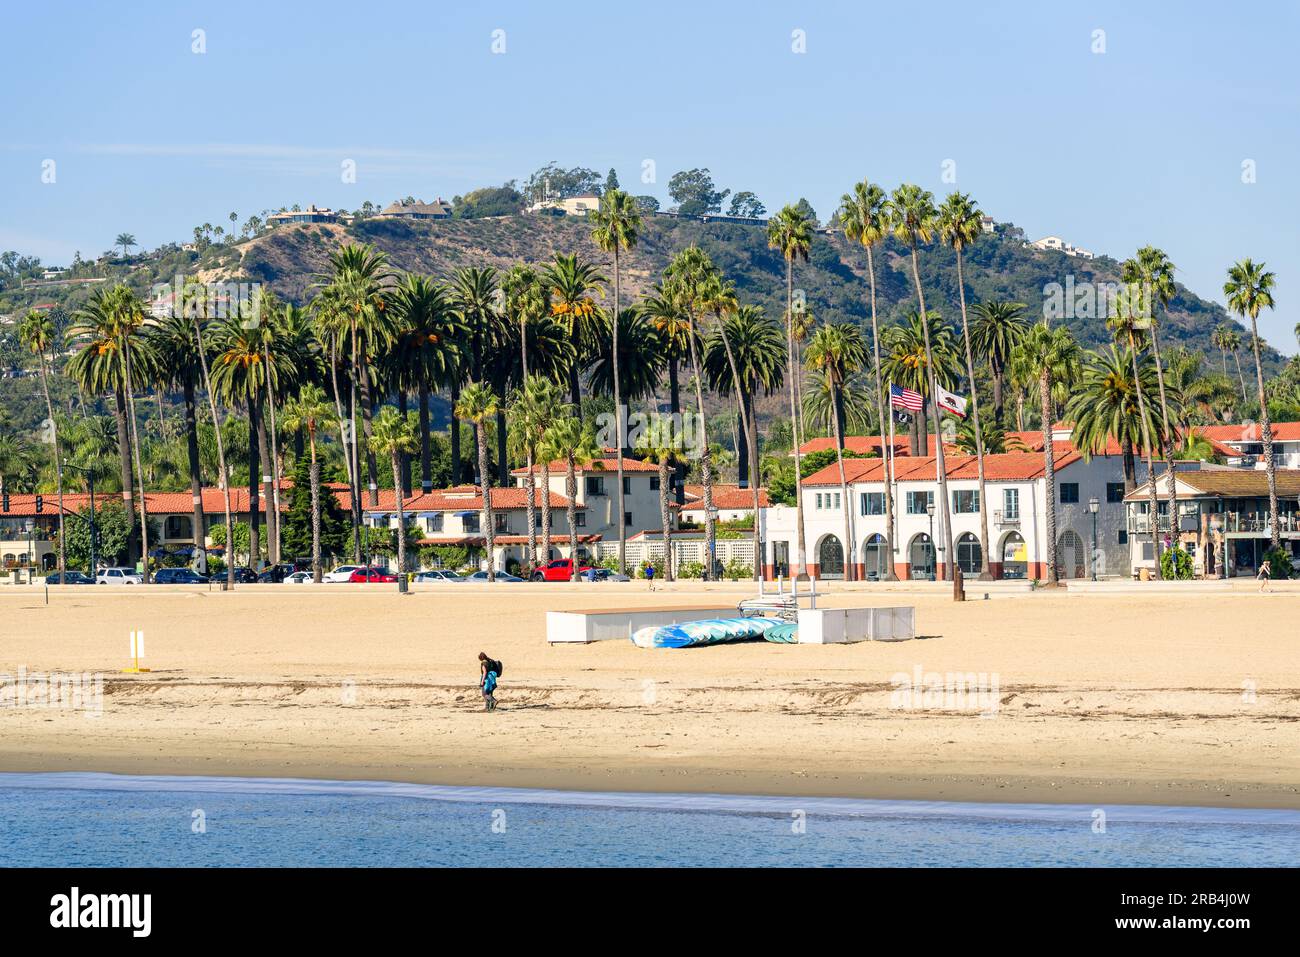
<point x="118" y="576"/>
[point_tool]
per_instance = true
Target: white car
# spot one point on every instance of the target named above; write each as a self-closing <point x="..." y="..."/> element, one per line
<point x="118" y="576"/>
<point x="341" y="574"/>
<point x="299" y="578"/>
<point x="439" y="575"/>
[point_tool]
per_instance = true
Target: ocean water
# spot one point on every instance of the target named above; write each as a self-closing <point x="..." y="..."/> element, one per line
<point x="79" y="819"/>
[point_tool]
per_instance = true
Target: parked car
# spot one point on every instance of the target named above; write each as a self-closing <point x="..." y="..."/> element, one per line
<point x="371" y="575"/>
<point x="298" y="578"/>
<point x="604" y="575"/>
<point x="275" y="574"/>
<point x="177" y="576"/>
<point x="69" y="578"/>
<point x="118" y="576"/>
<point x="482" y="576"/>
<point x="341" y="574"/>
<point x="559" y="570"/>
<point x="243" y="575"/>
<point x="440" y="575"/>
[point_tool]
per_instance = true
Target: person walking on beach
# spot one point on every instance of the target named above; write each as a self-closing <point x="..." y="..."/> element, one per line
<point x="489" y="673"/>
<point x="1264" y="574"/>
<point x="650" y="575"/>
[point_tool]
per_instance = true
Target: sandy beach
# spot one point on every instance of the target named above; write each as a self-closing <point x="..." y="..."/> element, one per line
<point x="1161" y="699"/>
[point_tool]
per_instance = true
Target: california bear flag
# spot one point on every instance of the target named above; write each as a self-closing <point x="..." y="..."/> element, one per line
<point x="950" y="402"/>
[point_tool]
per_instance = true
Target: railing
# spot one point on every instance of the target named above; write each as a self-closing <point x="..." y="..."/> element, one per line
<point x="652" y="550"/>
<point x="1248" y="522"/>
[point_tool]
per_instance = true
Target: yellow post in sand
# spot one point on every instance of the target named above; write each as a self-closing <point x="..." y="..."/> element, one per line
<point x="137" y="652"/>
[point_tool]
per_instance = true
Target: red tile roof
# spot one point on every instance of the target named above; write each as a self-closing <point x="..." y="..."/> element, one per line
<point x="1005" y="467"/>
<point x="607" y="464"/>
<point x="1253" y="432"/>
<point x="724" y="496"/>
<point x="462" y="498"/>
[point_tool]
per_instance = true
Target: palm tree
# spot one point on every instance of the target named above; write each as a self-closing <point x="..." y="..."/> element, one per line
<point x="1153" y="273"/>
<point x="126" y="241"/>
<point x="568" y="441"/>
<point x="1104" y="408"/>
<point x="660" y="446"/>
<point x="690" y="280"/>
<point x="1228" y="339"/>
<point x="425" y="348"/>
<point x="839" y="351"/>
<point x="996" y="331"/>
<point x="914" y="220"/>
<point x="542" y="403"/>
<point x="673" y="329"/>
<point x="113" y="322"/>
<point x="1249" y="290"/>
<point x="959" y="226"/>
<point x="1127" y="317"/>
<point x="395" y="437"/>
<point x="524" y="297"/>
<point x="616" y="224"/>
<point x="1050" y="358"/>
<point x="862" y="215"/>
<point x="478" y="404"/>
<point x="17" y="457"/>
<point x="908" y="364"/>
<point x="641" y="359"/>
<point x="790" y="232"/>
<point x="308" y="412"/>
<point x="571" y="283"/>
<point x="36" y="332"/>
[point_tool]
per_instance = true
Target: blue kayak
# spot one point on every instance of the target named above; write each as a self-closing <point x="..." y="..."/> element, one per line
<point x="707" y="631"/>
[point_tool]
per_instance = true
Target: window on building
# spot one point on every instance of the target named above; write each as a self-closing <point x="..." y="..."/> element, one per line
<point x="1069" y="493"/>
<point x="1011" y="504"/>
<point x="501" y="521"/>
<point x="433" y="523"/>
<point x="871" y="503"/>
<point x="654" y="483"/>
<point x="1114" y="492"/>
<point x="595" y="485"/>
<point x="966" y="502"/>
<point x="918" y="502"/>
<point x="627" y="485"/>
<point x="472" y="523"/>
<point x="580" y="520"/>
<point x="627" y="519"/>
<point x="1123" y="536"/>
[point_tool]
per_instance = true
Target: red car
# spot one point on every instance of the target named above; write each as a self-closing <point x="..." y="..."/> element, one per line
<point x="560" y="570"/>
<point x="371" y="575"/>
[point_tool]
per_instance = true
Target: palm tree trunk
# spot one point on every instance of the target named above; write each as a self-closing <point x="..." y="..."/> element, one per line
<point x="999" y="407"/>
<point x="850" y="549"/>
<point x="984" y="575"/>
<point x="1153" y="496"/>
<point x="254" y="508"/>
<point x="1130" y="466"/>
<point x="268" y="484"/>
<point x="139" y="470"/>
<point x="665" y="516"/>
<point x="273" y="525"/>
<point x="401" y="516"/>
<point x="546" y="512"/>
<point x="347" y="436"/>
<point x="1266" y="432"/>
<point x="503" y="459"/>
<point x="426" y="449"/>
<point x="675" y="410"/>
<point x="221" y="457"/>
<point x="196" y="473"/>
<point x="124" y="466"/>
<point x="1167" y="436"/>
<point x="489" y="529"/>
<point x="1236" y="357"/>
<point x="58" y="469"/>
<point x="316" y="569"/>
<point x="404" y="458"/>
<point x="1049" y="476"/>
<point x="618" y="422"/>
<point x="938" y="435"/>
<point x="530" y="516"/>
<point x="571" y="511"/>
<point x="367" y="426"/>
<point x="802" y="550"/>
<point x="749" y="447"/>
<point x="706" y="468"/>
<point x="880" y="415"/>
<point x="454" y="429"/>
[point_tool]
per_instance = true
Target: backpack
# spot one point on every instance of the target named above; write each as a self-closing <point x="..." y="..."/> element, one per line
<point x="494" y="666"/>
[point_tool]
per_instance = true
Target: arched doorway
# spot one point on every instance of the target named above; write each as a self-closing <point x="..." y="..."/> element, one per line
<point x="969" y="554"/>
<point x="1015" y="556"/>
<point x="876" y="558"/>
<point x="1070" y="556"/>
<point x="920" y="558"/>
<point x="830" y="558"/>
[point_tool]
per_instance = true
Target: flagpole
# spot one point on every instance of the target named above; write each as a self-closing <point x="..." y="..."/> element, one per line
<point x="889" y="478"/>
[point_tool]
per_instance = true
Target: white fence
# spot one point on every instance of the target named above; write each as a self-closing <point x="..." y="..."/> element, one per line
<point x="684" y="552"/>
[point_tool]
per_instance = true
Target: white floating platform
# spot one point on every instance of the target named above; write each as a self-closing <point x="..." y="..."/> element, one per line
<point x="826" y="626"/>
<point x="581" y="627"/>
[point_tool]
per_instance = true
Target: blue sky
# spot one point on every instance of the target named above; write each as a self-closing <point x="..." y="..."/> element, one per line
<point x="1143" y="143"/>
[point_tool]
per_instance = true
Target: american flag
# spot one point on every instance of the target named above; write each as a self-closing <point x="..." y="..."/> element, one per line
<point x="905" y="398"/>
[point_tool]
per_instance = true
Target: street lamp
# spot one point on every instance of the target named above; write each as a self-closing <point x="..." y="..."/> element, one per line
<point x="1093" y="505"/>
<point x="929" y="510"/>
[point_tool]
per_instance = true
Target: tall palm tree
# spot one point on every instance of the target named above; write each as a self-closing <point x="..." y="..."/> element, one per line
<point x="523" y="299"/>
<point x="839" y="352"/>
<point x="478" y="404"/>
<point x="542" y="404"/>
<point x="617" y="223"/>
<point x="395" y="437"/>
<point x="673" y="329"/>
<point x="1128" y="317"/>
<point x="1051" y="359"/>
<point x="914" y="220"/>
<point x="428" y="333"/>
<point x="36" y="332"/>
<point x="959" y="226"/>
<point x="660" y="446"/>
<point x="17" y="458"/>
<point x="1152" y="272"/>
<point x="690" y="279"/>
<point x="790" y="232"/>
<point x="996" y="331"/>
<point x="1249" y="290"/>
<point x="308" y="412"/>
<point x="862" y="216"/>
<point x="568" y="441"/>
<point x="194" y="305"/>
<point x="641" y="359"/>
<point x="572" y="284"/>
